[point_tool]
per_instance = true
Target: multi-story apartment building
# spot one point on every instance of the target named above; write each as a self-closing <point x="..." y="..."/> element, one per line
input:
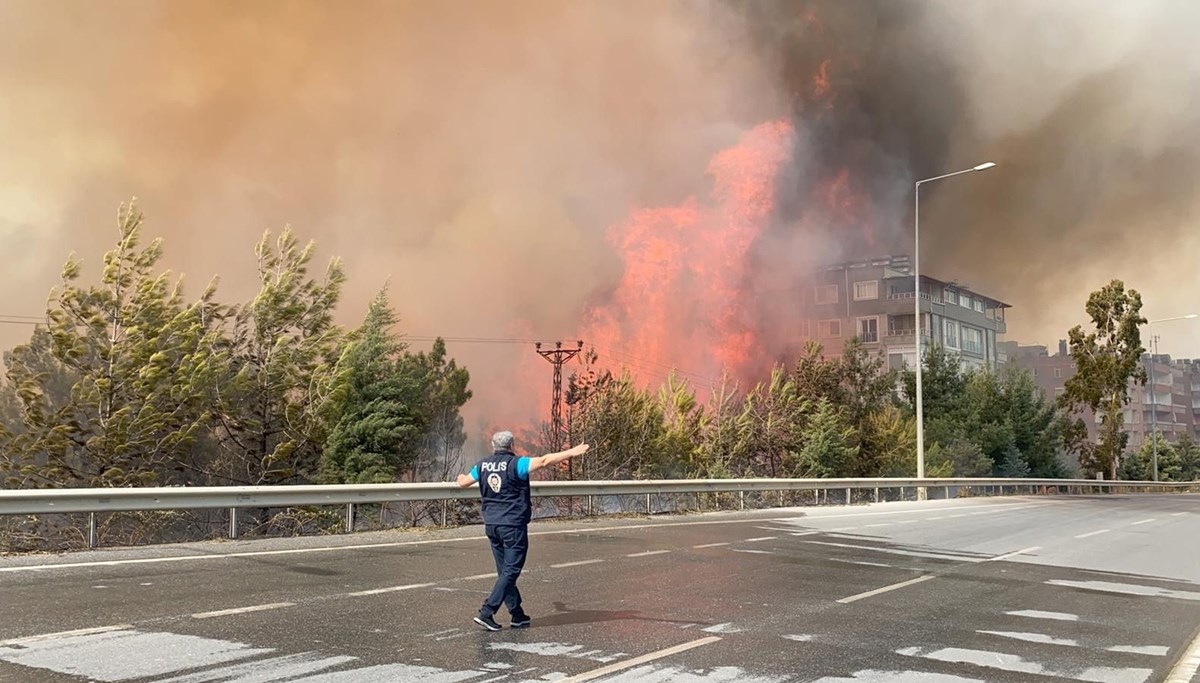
<point x="1171" y="399"/>
<point x="874" y="301"/>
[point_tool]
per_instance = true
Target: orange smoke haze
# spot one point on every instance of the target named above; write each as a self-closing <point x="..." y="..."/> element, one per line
<point x="535" y="169"/>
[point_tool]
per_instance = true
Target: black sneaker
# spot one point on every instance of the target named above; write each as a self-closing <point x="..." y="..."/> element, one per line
<point x="521" y="621"/>
<point x="488" y="622"/>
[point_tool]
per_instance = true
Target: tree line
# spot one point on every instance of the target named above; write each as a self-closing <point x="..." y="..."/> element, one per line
<point x="130" y="383"/>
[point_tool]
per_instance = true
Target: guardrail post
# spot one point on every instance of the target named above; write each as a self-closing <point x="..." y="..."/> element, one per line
<point x="876" y="494"/>
<point x="349" y="518"/>
<point x="590" y="510"/>
<point x="947" y="493"/>
<point x="93" y="540"/>
<point x="233" y="526"/>
<point x="648" y="504"/>
<point x="741" y="500"/>
<point x="445" y="505"/>
<point x="847" y="495"/>
<point x="780" y="497"/>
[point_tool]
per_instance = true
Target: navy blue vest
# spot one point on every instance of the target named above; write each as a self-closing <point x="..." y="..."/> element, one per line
<point x="505" y="494"/>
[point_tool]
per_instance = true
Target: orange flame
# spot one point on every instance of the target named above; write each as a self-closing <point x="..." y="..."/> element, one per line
<point x="682" y="300"/>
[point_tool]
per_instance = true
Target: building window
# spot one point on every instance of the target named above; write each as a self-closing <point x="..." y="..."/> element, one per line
<point x="805" y="329"/>
<point x="1033" y="371"/>
<point x="978" y="304"/>
<point x="972" y="340"/>
<point x="868" y="330"/>
<point x="951" y="334"/>
<point x="1057" y="373"/>
<point x="829" y="329"/>
<point x="1059" y="391"/>
<point x="896" y="361"/>
<point x="866" y="291"/>
<point x="827" y="294"/>
<point x="951" y="297"/>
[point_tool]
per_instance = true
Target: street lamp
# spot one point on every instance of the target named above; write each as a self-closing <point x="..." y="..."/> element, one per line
<point x="917" y="303"/>
<point x="1153" y="396"/>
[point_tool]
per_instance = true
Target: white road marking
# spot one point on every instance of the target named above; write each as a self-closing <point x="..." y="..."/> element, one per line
<point x="752" y="552"/>
<point x="630" y="663"/>
<point x="759" y="539"/>
<point x="243" y="610"/>
<point x="106" y="656"/>
<point x="722" y="628"/>
<point x="877" y="676"/>
<point x="1022" y="551"/>
<point x="476" y="577"/>
<point x="885" y="589"/>
<point x="710" y="545"/>
<point x="1038" y="614"/>
<point x="1032" y="637"/>
<point x="66" y="634"/>
<point x="1015" y="663"/>
<point x="798" y="637"/>
<point x="933" y="519"/>
<point x="842" y="528"/>
<point x="1153" y="650"/>
<point x="441" y="633"/>
<point x="1178" y="514"/>
<point x="1145" y="521"/>
<point x="1093" y="533"/>
<point x="558" y="650"/>
<point x="1126" y="589"/>
<point x="649" y="553"/>
<point x="871" y="526"/>
<point x="286" y="667"/>
<point x="1187" y="666"/>
<point x="391" y="589"/>
<point x="865" y="564"/>
<point x="908" y="521"/>
<point x="580" y="563"/>
<point x="897" y="551"/>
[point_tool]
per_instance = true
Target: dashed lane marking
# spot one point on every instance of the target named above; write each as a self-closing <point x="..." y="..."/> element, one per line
<point x="630" y="663"/>
<point x="580" y="563"/>
<point x="1006" y="556"/>
<point x="391" y="589"/>
<point x="242" y="610"/>
<point x="885" y="589"/>
<point x="648" y="553"/>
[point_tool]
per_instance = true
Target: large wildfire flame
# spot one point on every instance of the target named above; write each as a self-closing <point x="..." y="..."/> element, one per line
<point x="682" y="302"/>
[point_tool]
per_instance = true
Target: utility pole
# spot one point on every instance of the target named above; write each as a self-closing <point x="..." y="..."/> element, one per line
<point x="1154" y="403"/>
<point x="558" y="356"/>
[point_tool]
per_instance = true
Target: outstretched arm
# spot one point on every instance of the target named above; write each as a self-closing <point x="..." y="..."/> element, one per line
<point x="466" y="481"/>
<point x="539" y="462"/>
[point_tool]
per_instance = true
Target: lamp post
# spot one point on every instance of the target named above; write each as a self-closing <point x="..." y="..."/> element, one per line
<point x="917" y="304"/>
<point x="1153" y="397"/>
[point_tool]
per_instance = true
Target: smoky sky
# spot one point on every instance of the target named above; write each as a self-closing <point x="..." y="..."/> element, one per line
<point x="474" y="154"/>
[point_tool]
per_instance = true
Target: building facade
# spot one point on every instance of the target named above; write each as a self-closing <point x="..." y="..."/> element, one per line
<point x="874" y="301"/>
<point x="1170" y="402"/>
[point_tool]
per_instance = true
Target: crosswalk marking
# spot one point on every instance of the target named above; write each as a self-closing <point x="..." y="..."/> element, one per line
<point x="1017" y="664"/>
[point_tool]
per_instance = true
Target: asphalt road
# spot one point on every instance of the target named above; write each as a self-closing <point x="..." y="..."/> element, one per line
<point x="1017" y="589"/>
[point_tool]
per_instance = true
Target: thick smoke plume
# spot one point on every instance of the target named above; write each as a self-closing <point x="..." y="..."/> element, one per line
<point x="477" y="154"/>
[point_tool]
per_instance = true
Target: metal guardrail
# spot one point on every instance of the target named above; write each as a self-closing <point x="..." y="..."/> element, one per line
<point x="104" y="500"/>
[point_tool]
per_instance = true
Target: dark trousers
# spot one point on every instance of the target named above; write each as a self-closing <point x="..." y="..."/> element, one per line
<point x="509" y="547"/>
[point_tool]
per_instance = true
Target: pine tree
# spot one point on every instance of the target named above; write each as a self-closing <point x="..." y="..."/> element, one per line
<point x="377" y="425"/>
<point x="140" y="363"/>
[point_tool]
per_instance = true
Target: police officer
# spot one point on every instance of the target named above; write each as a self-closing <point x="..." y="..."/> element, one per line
<point x="504" y="487"/>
